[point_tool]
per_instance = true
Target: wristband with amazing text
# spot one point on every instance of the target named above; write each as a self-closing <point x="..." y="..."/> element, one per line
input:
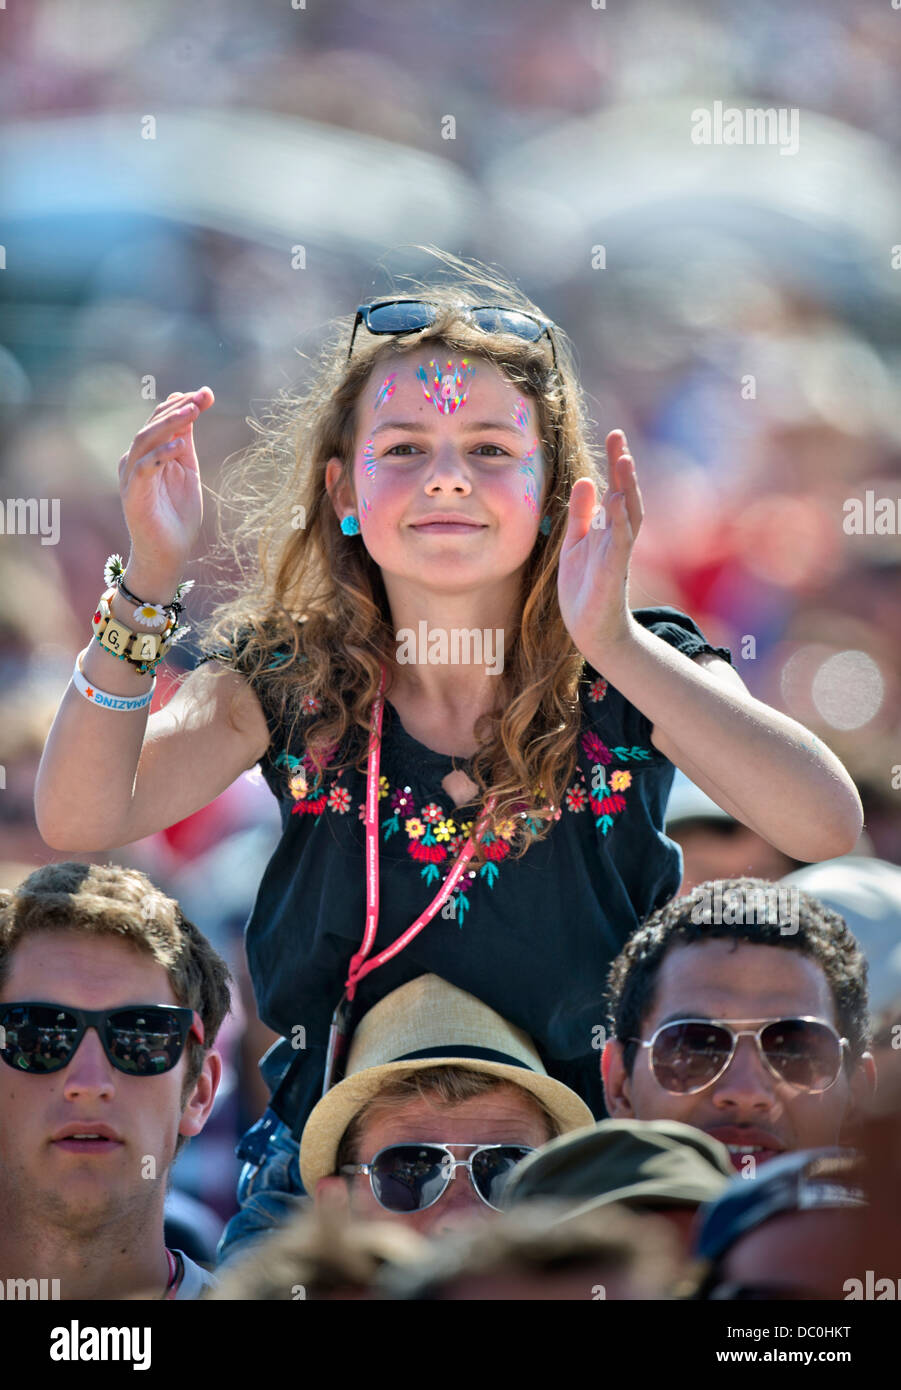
<point x="122" y="703"/>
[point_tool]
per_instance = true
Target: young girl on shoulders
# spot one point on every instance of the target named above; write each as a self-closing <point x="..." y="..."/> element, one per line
<point x="470" y="733"/>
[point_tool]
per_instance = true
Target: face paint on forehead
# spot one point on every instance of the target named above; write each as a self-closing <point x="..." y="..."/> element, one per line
<point x="369" y="459"/>
<point x="448" y="387"/>
<point x="386" y="390"/>
<point x="520" y="414"/>
<point x="527" y="466"/>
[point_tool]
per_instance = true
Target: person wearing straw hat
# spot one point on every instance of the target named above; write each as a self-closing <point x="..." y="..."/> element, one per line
<point x="441" y="1098"/>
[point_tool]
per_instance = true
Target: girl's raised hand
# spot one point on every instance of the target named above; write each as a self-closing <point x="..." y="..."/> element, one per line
<point x="159" y="483"/>
<point x="593" y="573"/>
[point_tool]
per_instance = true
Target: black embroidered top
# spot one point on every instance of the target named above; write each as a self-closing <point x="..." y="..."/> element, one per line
<point x="533" y="938"/>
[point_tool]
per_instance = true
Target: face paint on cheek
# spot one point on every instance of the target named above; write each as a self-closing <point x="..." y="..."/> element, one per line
<point x="366" y="506"/>
<point x="369" y="459"/>
<point x="386" y="390"/>
<point x="527" y="466"/>
<point x="447" y="388"/>
<point x="520" y="414"/>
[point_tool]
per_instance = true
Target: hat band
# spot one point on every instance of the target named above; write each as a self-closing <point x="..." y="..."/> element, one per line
<point x="482" y="1054"/>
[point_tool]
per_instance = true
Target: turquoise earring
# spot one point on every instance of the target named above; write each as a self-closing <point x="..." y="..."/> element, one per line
<point x="351" y="526"/>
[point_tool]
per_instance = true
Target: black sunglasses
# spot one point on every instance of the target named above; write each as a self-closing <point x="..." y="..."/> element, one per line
<point x="692" y="1053"/>
<point x="141" y="1040"/>
<point x="412" y="1177"/>
<point x="401" y="316"/>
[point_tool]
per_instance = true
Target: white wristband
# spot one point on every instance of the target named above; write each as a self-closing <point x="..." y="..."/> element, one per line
<point x="100" y="697"/>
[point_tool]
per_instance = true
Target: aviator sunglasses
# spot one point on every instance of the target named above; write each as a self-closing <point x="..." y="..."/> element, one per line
<point x="691" y="1053"/>
<point x="412" y="1177"/>
<point x="140" y="1040"/>
<point x="401" y="316"/>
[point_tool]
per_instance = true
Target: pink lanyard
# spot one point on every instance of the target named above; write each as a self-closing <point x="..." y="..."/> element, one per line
<point x="357" y="967"/>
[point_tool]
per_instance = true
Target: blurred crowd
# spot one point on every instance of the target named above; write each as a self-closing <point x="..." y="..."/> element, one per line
<point x="758" y="389"/>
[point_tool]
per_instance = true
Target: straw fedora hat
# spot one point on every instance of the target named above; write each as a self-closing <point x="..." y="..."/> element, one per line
<point x="428" y="1023"/>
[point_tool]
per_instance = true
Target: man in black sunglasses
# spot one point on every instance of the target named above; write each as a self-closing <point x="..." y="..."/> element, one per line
<point x="752" y="1030"/>
<point x="110" y="1002"/>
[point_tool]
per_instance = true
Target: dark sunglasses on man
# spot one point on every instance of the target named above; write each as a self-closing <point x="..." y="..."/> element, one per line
<point x="140" y="1039"/>
<point x="688" y="1054"/>
<point x="399" y="316"/>
<point x="413" y="1177"/>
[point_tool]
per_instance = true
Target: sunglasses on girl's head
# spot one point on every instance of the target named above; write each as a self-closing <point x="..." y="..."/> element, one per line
<point x="400" y="316"/>
<point x="141" y="1040"/>
<point x="412" y="1177"/>
<point x="691" y="1053"/>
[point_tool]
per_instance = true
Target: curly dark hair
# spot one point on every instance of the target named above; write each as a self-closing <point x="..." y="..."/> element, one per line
<point x="821" y="934"/>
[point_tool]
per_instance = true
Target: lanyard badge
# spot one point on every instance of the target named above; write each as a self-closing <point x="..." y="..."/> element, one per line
<point x="338" y="1034"/>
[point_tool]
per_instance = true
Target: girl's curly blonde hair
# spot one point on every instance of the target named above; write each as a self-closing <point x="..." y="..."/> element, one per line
<point x="309" y="591"/>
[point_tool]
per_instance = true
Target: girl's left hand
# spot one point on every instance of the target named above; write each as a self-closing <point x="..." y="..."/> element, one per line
<point x="593" y="572"/>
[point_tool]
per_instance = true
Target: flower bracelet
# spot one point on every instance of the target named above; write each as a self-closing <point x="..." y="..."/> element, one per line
<point x="145" y="650"/>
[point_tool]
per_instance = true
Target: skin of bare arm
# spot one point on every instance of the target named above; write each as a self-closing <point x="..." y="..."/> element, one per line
<point x="193" y="749"/>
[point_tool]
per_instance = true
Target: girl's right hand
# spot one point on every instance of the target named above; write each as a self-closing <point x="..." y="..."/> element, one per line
<point x="159" y="483"/>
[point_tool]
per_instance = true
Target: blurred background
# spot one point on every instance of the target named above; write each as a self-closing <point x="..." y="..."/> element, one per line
<point x="189" y="195"/>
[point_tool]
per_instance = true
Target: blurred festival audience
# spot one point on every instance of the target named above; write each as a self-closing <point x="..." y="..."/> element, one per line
<point x="657" y="1166"/>
<point x="537" y="1253"/>
<point x="789" y="1234"/>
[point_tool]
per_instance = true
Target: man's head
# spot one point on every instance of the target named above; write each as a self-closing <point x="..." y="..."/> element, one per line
<point x="688" y="962"/>
<point x="647" y="1165"/>
<point x="541" y="1252"/>
<point x="319" y="1253"/>
<point x="714" y="844"/>
<point x="101" y="937"/>
<point x="441" y="1098"/>
<point x="447" y="1105"/>
<point x="792" y="1233"/>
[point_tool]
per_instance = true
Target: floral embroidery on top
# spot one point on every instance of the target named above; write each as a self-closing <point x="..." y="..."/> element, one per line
<point x="306" y="785"/>
<point x="435" y="837"/>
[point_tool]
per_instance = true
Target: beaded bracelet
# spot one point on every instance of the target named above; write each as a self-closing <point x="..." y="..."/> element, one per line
<point x="122" y="703"/>
<point x="143" y="649"/>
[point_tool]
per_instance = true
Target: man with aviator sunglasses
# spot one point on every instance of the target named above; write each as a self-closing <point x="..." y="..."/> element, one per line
<point x="391" y="1140"/>
<point x="110" y="1001"/>
<point x="755" y="1035"/>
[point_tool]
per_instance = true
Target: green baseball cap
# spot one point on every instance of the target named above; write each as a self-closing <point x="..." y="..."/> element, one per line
<point x="643" y="1163"/>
